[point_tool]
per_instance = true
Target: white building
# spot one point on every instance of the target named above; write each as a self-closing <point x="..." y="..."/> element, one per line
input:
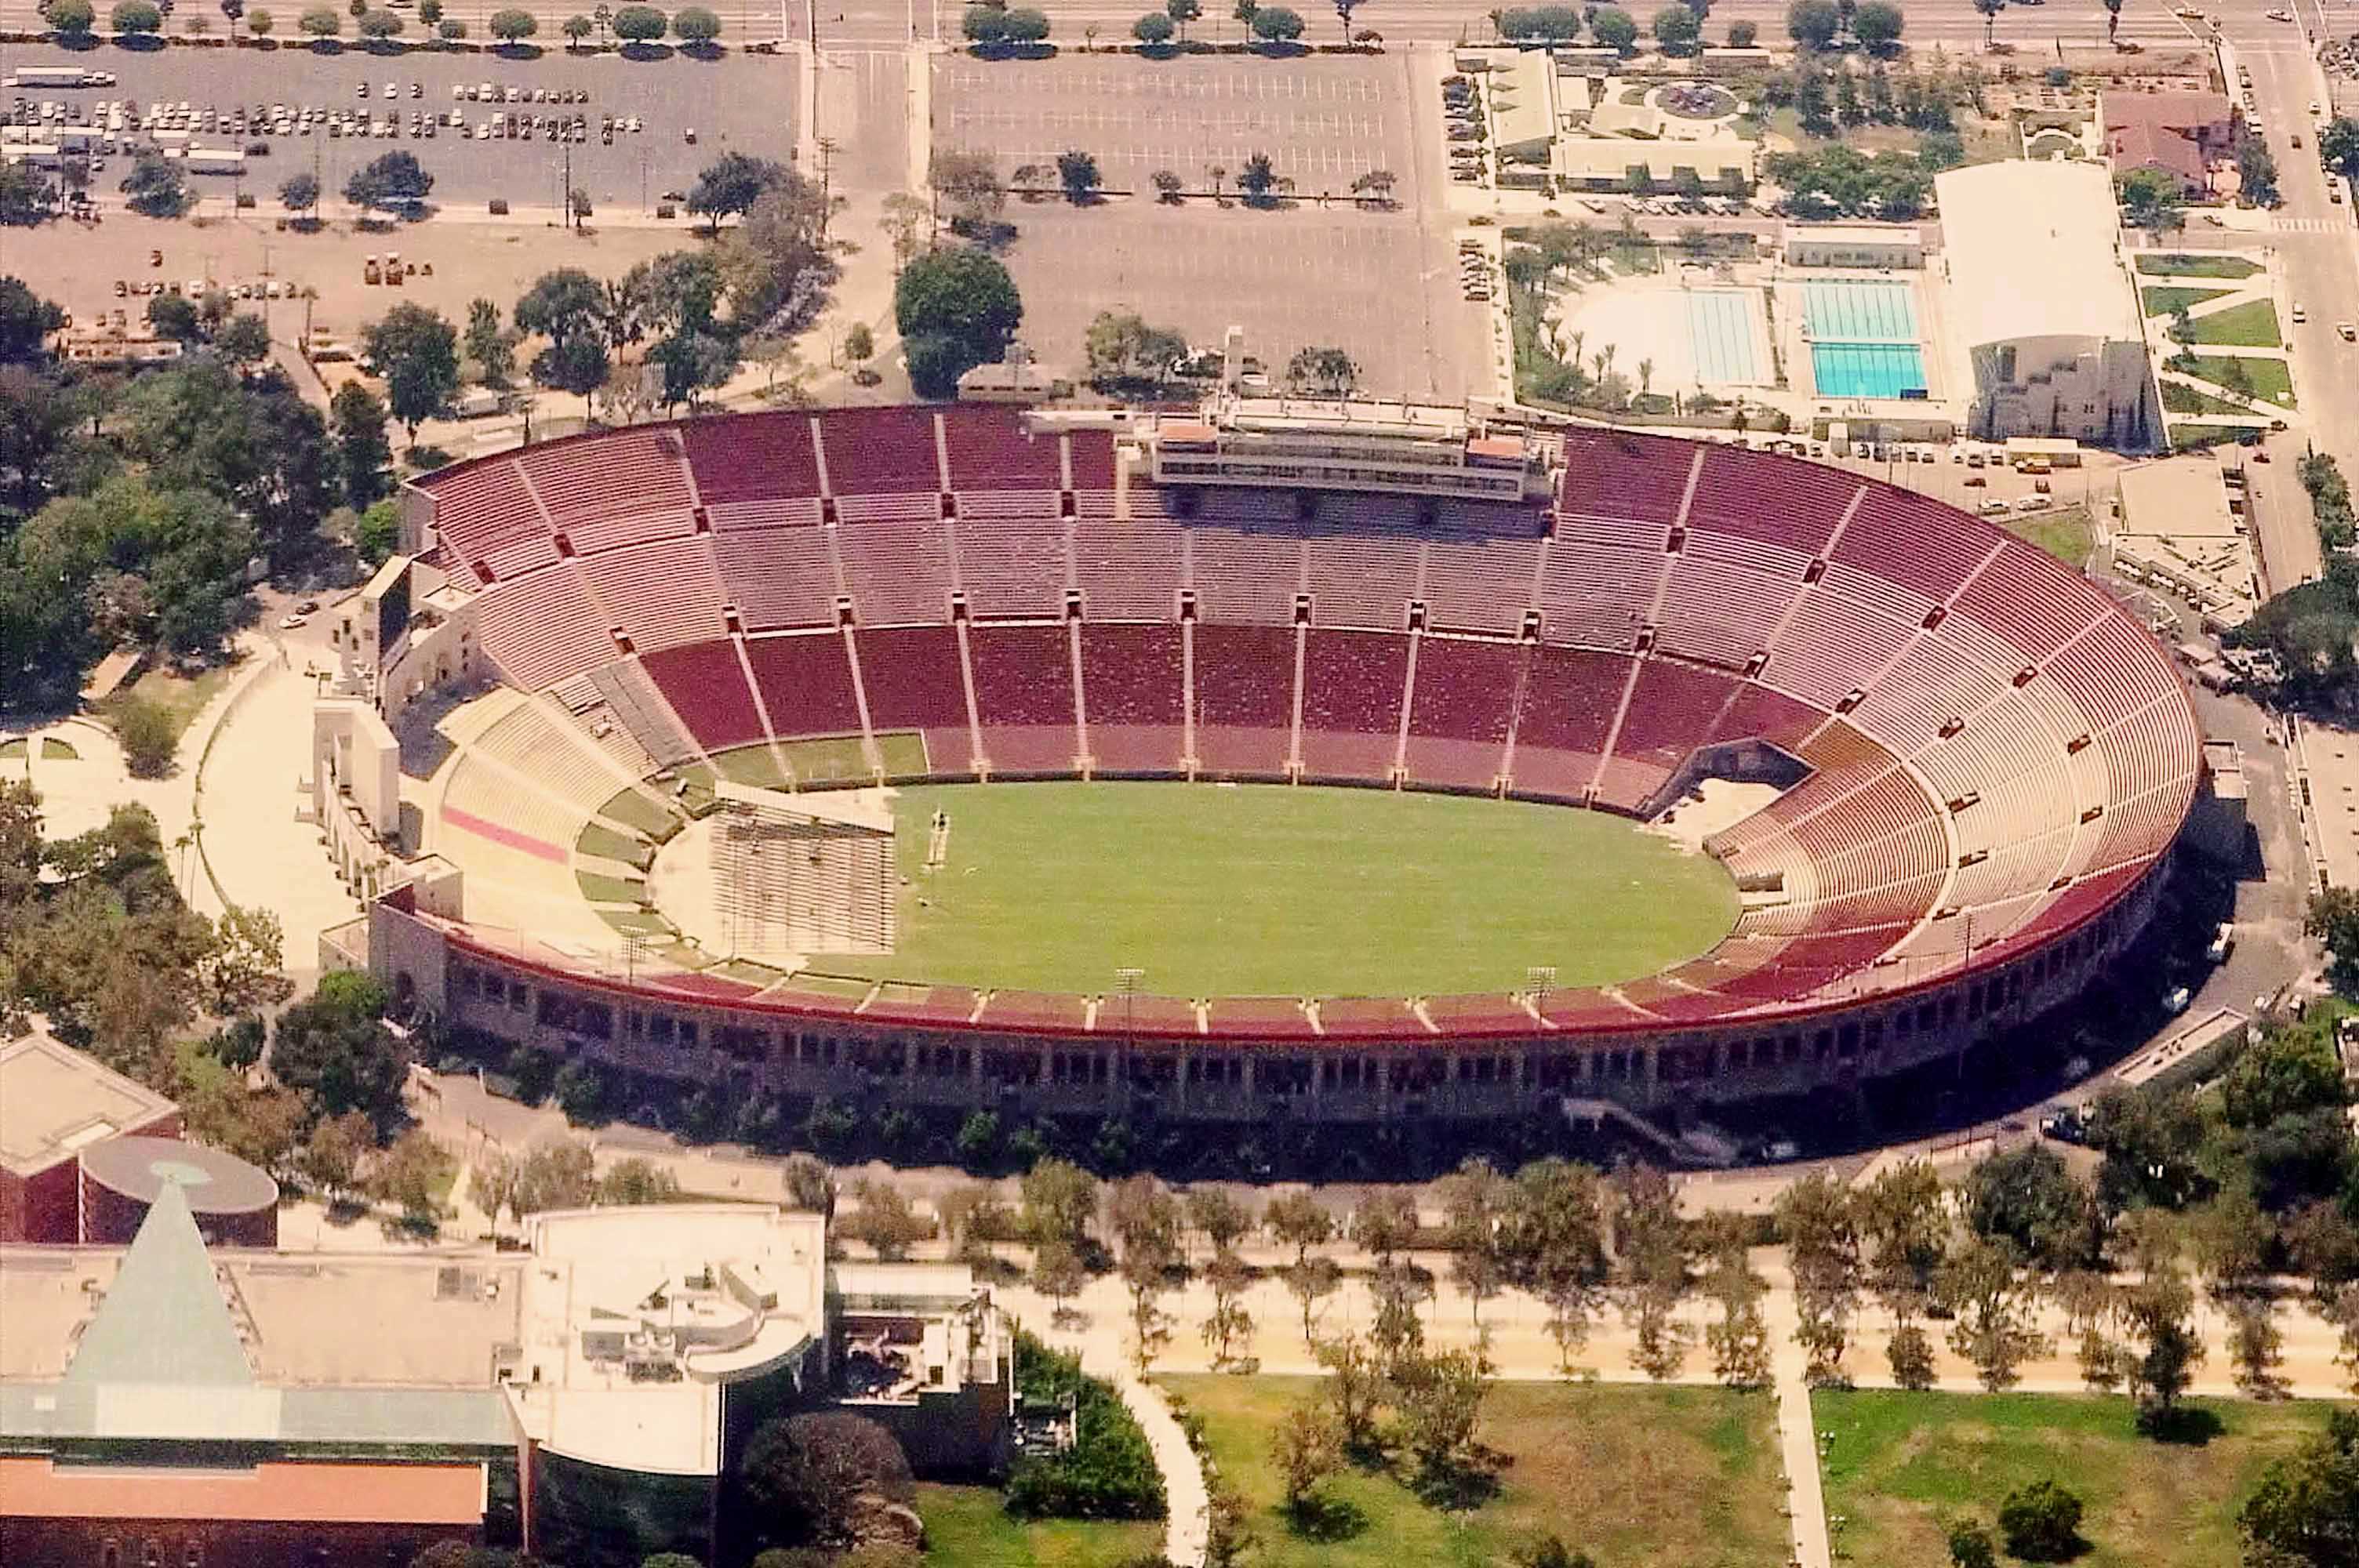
<point x="2041" y="302"/>
<point x="1854" y="244"/>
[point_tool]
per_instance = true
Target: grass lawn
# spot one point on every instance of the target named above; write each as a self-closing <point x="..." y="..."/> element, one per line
<point x="13" y="747"/>
<point x="1262" y="890"/>
<point x="1900" y="1461"/>
<point x="2181" y="399"/>
<point x="966" y="1528"/>
<point x="2186" y="437"/>
<point x="1639" y="1477"/>
<point x="2068" y="533"/>
<point x="2162" y="299"/>
<point x="2175" y="265"/>
<point x="180" y="696"/>
<point x="56" y="751"/>
<point x="2252" y="325"/>
<point x="2270" y="380"/>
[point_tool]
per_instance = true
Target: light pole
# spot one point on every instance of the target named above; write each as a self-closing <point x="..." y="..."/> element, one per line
<point x="1127" y="981"/>
<point x="1541" y="979"/>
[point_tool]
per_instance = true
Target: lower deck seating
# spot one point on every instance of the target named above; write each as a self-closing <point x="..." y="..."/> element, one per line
<point x="1570" y="699"/>
<point x="1463" y="701"/>
<point x="806" y="684"/>
<point x="1245" y="697"/>
<point x="1133" y="691"/>
<point x="1352" y="684"/>
<point x="1023" y="696"/>
<point x="706" y="687"/>
<point x="912" y="679"/>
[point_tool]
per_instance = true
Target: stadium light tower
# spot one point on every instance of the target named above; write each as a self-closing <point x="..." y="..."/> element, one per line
<point x="1126" y="980"/>
<point x="1541" y="978"/>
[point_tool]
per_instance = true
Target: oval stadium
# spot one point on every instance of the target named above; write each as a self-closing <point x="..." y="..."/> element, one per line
<point x="1336" y="763"/>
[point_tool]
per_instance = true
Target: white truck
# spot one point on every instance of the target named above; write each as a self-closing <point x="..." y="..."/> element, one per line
<point x="213" y="160"/>
<point x="59" y="76"/>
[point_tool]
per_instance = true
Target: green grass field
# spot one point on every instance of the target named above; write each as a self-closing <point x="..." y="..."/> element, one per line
<point x="1901" y="1463"/>
<point x="966" y="1528"/>
<point x="1262" y="890"/>
<point x="2252" y="325"/>
<point x="2161" y="299"/>
<point x="2265" y="377"/>
<point x="2180" y="265"/>
<point x="1639" y="1477"/>
<point x="2187" y="437"/>
<point x="2068" y="533"/>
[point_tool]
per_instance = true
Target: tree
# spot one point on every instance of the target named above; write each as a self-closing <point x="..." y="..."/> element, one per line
<point x="244" y="340"/>
<point x="1183" y="12"/>
<point x="392" y="181"/>
<point x="884" y="1219"/>
<point x="416" y="353"/>
<point x="1223" y="1220"/>
<point x="2158" y="1311"/>
<point x="969" y="182"/>
<point x="1474" y="1198"/>
<point x="378" y="25"/>
<point x="135" y="16"/>
<point x="2256" y="1345"/>
<point x="300" y="193"/>
<point x="2257" y="169"/>
<point x="1739" y="1341"/>
<point x="639" y="24"/>
<point x="1970" y="1546"/>
<point x="1989" y="10"/>
<point x="72" y="19"/>
<point x="1276" y="25"/>
<point x="1304" y="1449"/>
<point x="1677" y="29"/>
<point x="321" y="22"/>
<point x="363" y="454"/>
<point x="1440" y="1398"/>
<point x="2040" y="1522"/>
<point x="1122" y="348"/>
<point x="809" y="1186"/>
<point x="695" y="26"/>
<point x="1652" y="1275"/>
<point x="1058" y="1274"/>
<point x="1296" y="1220"/>
<point x="1877" y="25"/>
<point x="26" y="321"/>
<point x="489" y="342"/>
<point x="410" y="1175"/>
<point x="730" y="185"/>
<point x="333" y="1049"/>
<point x="576" y="28"/>
<point x="1910" y="1353"/>
<point x="2026" y="1197"/>
<point x="331" y="1158"/>
<point x="1994" y="1309"/>
<point x="155" y="188"/>
<point x="1229" y="1277"/>
<point x="1555" y="1248"/>
<point x="1257" y="178"/>
<point x="1742" y="34"/>
<point x="1168" y="186"/>
<point x="1060" y="1200"/>
<point x="2338" y="146"/>
<point x="1077" y="171"/>
<point x="148" y="739"/>
<point x="1615" y="28"/>
<point x="239" y="975"/>
<point x="1154" y="29"/>
<point x="175" y="317"/>
<point x="1813" y="24"/>
<point x="2300" y="1514"/>
<point x="815" y="1479"/>
<point x="964" y="299"/>
<point x="1354" y="1390"/>
<point x="1820" y="1222"/>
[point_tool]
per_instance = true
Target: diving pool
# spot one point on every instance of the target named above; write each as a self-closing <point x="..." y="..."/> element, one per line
<point x="1866" y="369"/>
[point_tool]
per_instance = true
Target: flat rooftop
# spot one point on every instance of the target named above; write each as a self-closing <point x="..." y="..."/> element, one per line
<point x="55" y="1101"/>
<point x="323" y="1321"/>
<point x="2033" y="250"/>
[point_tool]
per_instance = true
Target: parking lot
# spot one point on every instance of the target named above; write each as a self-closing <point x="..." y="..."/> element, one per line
<point x="734" y="103"/>
<point x="1323" y="121"/>
<point x="1372" y="284"/>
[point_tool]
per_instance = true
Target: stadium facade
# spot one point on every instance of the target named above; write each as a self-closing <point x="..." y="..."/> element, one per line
<point x="1980" y="761"/>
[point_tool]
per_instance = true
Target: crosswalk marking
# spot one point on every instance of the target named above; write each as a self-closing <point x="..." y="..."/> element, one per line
<point x="2307" y="225"/>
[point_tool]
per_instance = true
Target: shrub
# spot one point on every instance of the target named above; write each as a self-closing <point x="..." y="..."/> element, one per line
<point x="695" y="25"/>
<point x="812" y="1478"/>
<point x="1109" y="1473"/>
<point x="72" y="18"/>
<point x="512" y="25"/>
<point x="148" y="740"/>
<point x="639" y="24"/>
<point x="135" y="16"/>
<point x="2040" y="1522"/>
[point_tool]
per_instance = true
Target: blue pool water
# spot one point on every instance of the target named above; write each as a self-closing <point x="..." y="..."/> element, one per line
<point x="1722" y="337"/>
<point x="1857" y="311"/>
<point x="1866" y="369"/>
<point x="1864" y="338"/>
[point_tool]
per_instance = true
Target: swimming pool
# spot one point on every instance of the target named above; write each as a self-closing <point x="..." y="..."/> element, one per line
<point x="1866" y="369"/>
<point x="1721" y="336"/>
<point x="1859" y="309"/>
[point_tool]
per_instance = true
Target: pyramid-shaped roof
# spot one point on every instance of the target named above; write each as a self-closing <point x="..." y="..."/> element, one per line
<point x="163" y="1320"/>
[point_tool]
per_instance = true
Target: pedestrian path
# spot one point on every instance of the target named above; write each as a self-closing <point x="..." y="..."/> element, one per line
<point x="1797" y="1445"/>
<point x="1186" y="1533"/>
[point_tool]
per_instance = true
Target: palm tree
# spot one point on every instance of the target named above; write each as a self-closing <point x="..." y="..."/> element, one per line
<point x="1343" y="9"/>
<point x="1990" y="10"/>
<point x="1646" y="377"/>
<point x="1090" y="36"/>
<point x="1577" y="339"/>
<point x="1217" y="174"/>
<point x="2112" y="19"/>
